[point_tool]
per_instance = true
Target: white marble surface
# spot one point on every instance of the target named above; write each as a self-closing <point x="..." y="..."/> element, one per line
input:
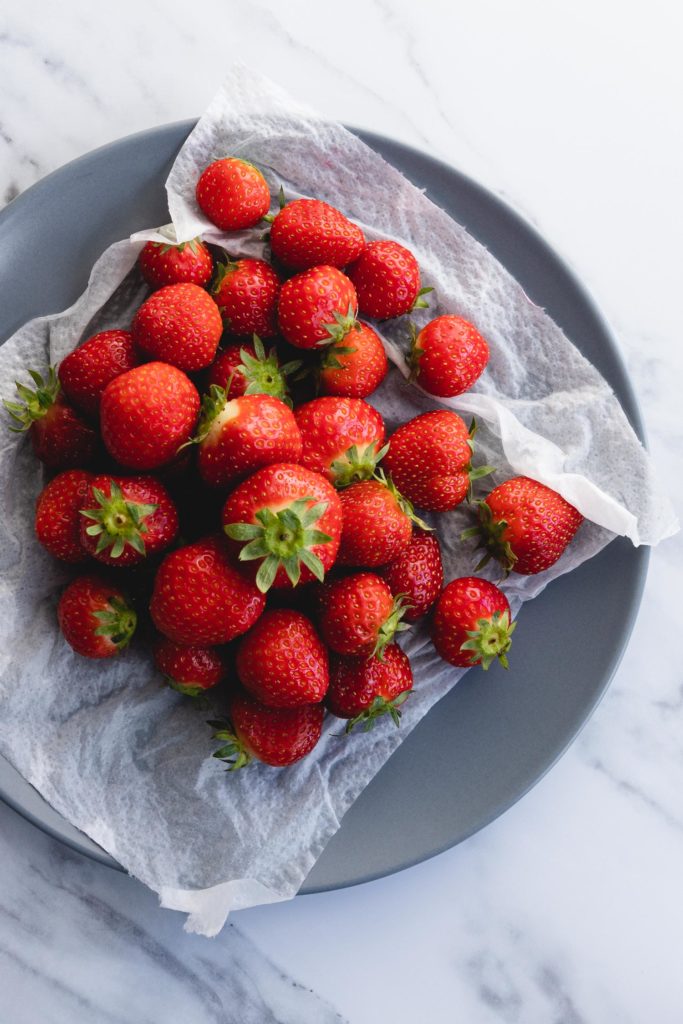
<point x="567" y="910"/>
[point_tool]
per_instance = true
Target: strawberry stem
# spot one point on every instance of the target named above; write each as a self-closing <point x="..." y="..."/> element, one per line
<point x="35" y="402"/>
<point x="380" y="706"/>
<point x="233" y="752"/>
<point x="357" y="464"/>
<point x="117" y="622"/>
<point x="490" y="640"/>
<point x="117" y="522"/>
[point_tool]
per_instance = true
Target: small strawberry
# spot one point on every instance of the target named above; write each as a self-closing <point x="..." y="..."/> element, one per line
<point x="416" y="574"/>
<point x="233" y="194"/>
<point x="125" y="519"/>
<point x="247" y="370"/>
<point x="364" y="690"/>
<point x="199" y="597"/>
<point x="147" y="413"/>
<point x="387" y="280"/>
<point x="95" y="618"/>
<point x="376" y="523"/>
<point x="275" y="736"/>
<point x="282" y="660"/>
<point x="471" y="624"/>
<point x="179" y="324"/>
<point x="163" y="263"/>
<point x="58" y="515"/>
<point x="190" y="669"/>
<point x="60" y="436"/>
<point x="287" y="519"/>
<point x="356" y="366"/>
<point x="524" y="525"/>
<point x="317" y="307"/>
<point x="308" y="232"/>
<point x="360" y="616"/>
<point x="246" y="293"/>
<point x="447" y="356"/>
<point x="342" y="438"/>
<point x="85" y="372"/>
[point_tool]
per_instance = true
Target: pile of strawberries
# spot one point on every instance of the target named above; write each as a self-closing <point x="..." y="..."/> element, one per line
<point x="266" y="533"/>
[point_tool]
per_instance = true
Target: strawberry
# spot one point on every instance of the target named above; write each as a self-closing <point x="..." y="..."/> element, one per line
<point x="416" y="574"/>
<point x="308" y="232"/>
<point x="524" y="525"/>
<point x="147" y="413"/>
<point x="163" y="263"/>
<point x="246" y="293"/>
<point x="316" y="307"/>
<point x="342" y="438"/>
<point x="447" y="356"/>
<point x="471" y="624"/>
<point x="179" y="324"/>
<point x="95" y="617"/>
<point x="386" y="277"/>
<point x="356" y="366"/>
<point x="57" y="515"/>
<point x="429" y="459"/>
<point x="60" y="436"/>
<point x="275" y="736"/>
<point x="190" y="669"/>
<point x="282" y="660"/>
<point x="125" y="519"/>
<point x="85" y="372"/>
<point x="360" y="616"/>
<point x="199" y="597"/>
<point x="247" y="370"/>
<point x="376" y="523"/>
<point x="363" y="690"/>
<point x="233" y="194"/>
<point x="290" y="519"/>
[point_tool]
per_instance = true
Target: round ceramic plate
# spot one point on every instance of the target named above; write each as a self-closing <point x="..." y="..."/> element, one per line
<point x="486" y="743"/>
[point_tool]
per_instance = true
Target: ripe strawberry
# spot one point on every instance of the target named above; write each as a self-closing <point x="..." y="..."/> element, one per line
<point x="85" y="372"/>
<point x="57" y="515"/>
<point x="387" y="280"/>
<point x="342" y="438"/>
<point x="308" y="232"/>
<point x="275" y="736"/>
<point x="190" y="669"/>
<point x="233" y="194"/>
<point x="360" y="616"/>
<point x="246" y="293"/>
<point x="163" y="263"/>
<point x="376" y="523"/>
<point x="471" y="624"/>
<point x="356" y="366"/>
<point x="316" y="307"/>
<point x="363" y="690"/>
<point x="125" y="519"/>
<point x="95" y="618"/>
<point x="416" y="574"/>
<point x="179" y="324"/>
<point x="448" y="356"/>
<point x="429" y="460"/>
<point x="60" y="436"/>
<point x="147" y="413"/>
<point x="290" y="519"/>
<point x="524" y="525"/>
<point x="200" y="598"/>
<point x="247" y="370"/>
<point x="282" y="660"/>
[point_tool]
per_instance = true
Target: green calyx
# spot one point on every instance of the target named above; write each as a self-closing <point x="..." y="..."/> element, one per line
<point x="379" y="707"/>
<point x="330" y="359"/>
<point x="263" y="373"/>
<point x="403" y="503"/>
<point x="491" y="537"/>
<point x="193" y="245"/>
<point x="282" y="539"/>
<point x="342" y="326"/>
<point x="393" y="624"/>
<point x="415" y="353"/>
<point x="357" y="464"/>
<point x="117" y="622"/>
<point x="232" y="752"/>
<point x="490" y="640"/>
<point x="281" y="201"/>
<point x="420" y="301"/>
<point x="35" y="402"/>
<point x="213" y="403"/>
<point x="185" y="688"/>
<point x="478" y="472"/>
<point x="117" y="522"/>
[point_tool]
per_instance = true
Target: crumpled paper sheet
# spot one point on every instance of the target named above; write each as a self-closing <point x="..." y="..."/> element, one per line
<point x="127" y="760"/>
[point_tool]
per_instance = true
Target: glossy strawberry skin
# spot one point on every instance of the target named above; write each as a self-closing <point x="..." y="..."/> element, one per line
<point x="225" y="372"/>
<point x="162" y="264"/>
<point x="375" y="529"/>
<point x="308" y="303"/>
<point x="189" y="667"/>
<point x="429" y="458"/>
<point x="308" y="233"/>
<point x="360" y="371"/>
<point x="85" y="372"/>
<point x="233" y="194"/>
<point x="463" y="604"/>
<point x="387" y="280"/>
<point x="161" y="526"/>
<point x="77" y="615"/>
<point x="246" y="296"/>
<point x="62" y="439"/>
<point x="355" y="683"/>
<point x="353" y="611"/>
<point x="448" y="356"/>
<point x="179" y="324"/>
<point x="58" y="517"/>
<point x="330" y="426"/>
<point x="276" y="736"/>
<point x="417" y="573"/>
<point x="282" y="661"/>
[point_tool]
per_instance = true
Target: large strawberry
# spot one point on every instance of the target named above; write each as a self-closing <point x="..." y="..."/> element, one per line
<point x="246" y="293"/>
<point x="191" y="669"/>
<point x="282" y="660"/>
<point x="95" y="617"/>
<point x="524" y="525"/>
<point x="376" y="523"/>
<point x="164" y="263"/>
<point x="275" y="736"/>
<point x="287" y="520"/>
<point x="471" y="624"/>
<point x="125" y="519"/>
<point x="355" y="366"/>
<point x="317" y="307"/>
<point x="247" y="369"/>
<point x="342" y="438"/>
<point x="448" y="356"/>
<point x="386" y="276"/>
<point x="85" y="372"/>
<point x="416" y="574"/>
<point x="58" y="519"/>
<point x="60" y="436"/>
<point x="364" y="690"/>
<point x="360" y="616"/>
<point x="308" y="232"/>
<point x="179" y="324"/>
<point x="233" y="194"/>
<point x="199" y="596"/>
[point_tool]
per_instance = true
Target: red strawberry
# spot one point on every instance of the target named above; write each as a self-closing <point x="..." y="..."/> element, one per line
<point x="60" y="436"/>
<point x="524" y="525"/>
<point x="363" y="690"/>
<point x="124" y="519"/>
<point x="376" y="523"/>
<point x="163" y="263"/>
<point x="471" y="624"/>
<point x="276" y="736"/>
<point x="316" y="307"/>
<point x="95" y="618"/>
<point x="85" y="372"/>
<point x="58" y="515"/>
<point x="308" y="232"/>
<point x="342" y="438"/>
<point x="179" y="324"/>
<point x="190" y="669"/>
<point x="448" y="356"/>
<point x="387" y="280"/>
<point x="200" y="598"/>
<point x="360" y="616"/>
<point x="290" y="519"/>
<point x="247" y="370"/>
<point x="233" y="194"/>
<point x="355" y="366"/>
<point x="246" y="293"/>
<point x="147" y="413"/>
<point x="282" y="660"/>
<point x="416" y="574"/>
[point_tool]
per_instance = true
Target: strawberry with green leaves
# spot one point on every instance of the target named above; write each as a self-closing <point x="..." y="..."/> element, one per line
<point x="317" y="307"/>
<point x="447" y="356"/>
<point x="360" y="616"/>
<point x="95" y="617"/>
<point x="282" y="661"/>
<point x="164" y="263"/>
<point x="179" y="324"/>
<point x="246" y="293"/>
<point x="364" y="690"/>
<point x="416" y="574"/>
<point x="190" y="669"/>
<point x="386" y="277"/>
<point x="356" y="366"/>
<point x="377" y="523"/>
<point x="275" y="736"/>
<point x="233" y="194"/>
<point x="60" y="436"/>
<point x="343" y="438"/>
<point x="58" y="519"/>
<point x="247" y="369"/>
<point x="472" y="623"/>
<point x="85" y="372"/>
<point x="308" y="233"/>
<point x="127" y="519"/>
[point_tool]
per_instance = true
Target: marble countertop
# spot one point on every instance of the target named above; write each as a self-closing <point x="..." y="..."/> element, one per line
<point x="566" y="909"/>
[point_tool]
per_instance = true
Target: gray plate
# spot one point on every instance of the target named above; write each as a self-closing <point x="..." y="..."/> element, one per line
<point x="494" y="735"/>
